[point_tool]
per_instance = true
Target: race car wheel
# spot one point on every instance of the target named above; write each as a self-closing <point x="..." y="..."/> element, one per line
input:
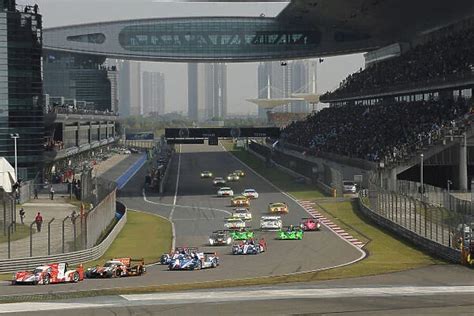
<point x="140" y="271"/>
<point x="214" y="263"/>
<point x="118" y="273"/>
<point x="46" y="279"/>
<point x="75" y="277"/>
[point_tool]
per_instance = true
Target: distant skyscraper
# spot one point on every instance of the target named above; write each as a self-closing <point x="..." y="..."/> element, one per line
<point x="193" y="91"/>
<point x="153" y="93"/>
<point x="303" y="80"/>
<point x="130" y="88"/>
<point x="215" y="90"/>
<point x="272" y="83"/>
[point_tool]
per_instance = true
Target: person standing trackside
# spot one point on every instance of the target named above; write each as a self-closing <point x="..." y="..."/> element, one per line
<point x="51" y="192"/>
<point x="22" y="215"/>
<point x="35" y="192"/>
<point x="39" y="221"/>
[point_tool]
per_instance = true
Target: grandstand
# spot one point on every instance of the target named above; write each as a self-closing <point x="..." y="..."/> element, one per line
<point x="400" y="110"/>
<point x="283" y="119"/>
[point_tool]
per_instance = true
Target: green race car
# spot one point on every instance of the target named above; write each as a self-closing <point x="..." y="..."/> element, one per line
<point x="242" y="235"/>
<point x="290" y="233"/>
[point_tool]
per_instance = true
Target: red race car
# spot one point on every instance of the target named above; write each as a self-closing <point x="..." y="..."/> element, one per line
<point x="51" y="273"/>
<point x="310" y="224"/>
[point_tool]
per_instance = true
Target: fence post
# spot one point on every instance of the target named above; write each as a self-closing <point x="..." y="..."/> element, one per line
<point x="85" y="229"/>
<point x="64" y="220"/>
<point x="73" y="220"/>
<point x="49" y="236"/>
<point x="31" y="238"/>
<point x="426" y="216"/>
<point x="414" y="213"/>
<point x="9" y="239"/>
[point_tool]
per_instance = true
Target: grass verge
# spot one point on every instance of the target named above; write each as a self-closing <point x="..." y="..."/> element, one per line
<point x="22" y="231"/>
<point x="144" y="236"/>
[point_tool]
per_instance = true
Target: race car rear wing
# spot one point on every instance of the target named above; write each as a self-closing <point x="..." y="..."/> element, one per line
<point x="271" y="217"/>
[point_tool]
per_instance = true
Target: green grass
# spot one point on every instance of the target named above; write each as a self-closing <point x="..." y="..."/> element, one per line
<point x="22" y="231"/>
<point x="144" y="236"/>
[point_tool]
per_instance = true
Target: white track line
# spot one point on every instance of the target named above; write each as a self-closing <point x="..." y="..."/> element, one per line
<point x="361" y="251"/>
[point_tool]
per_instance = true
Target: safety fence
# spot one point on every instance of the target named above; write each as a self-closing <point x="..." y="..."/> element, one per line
<point x="412" y="216"/>
<point x="71" y="257"/>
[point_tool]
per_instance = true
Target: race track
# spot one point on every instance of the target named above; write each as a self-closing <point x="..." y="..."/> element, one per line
<point x="192" y="205"/>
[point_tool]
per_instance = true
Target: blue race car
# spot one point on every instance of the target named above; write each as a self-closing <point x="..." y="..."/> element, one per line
<point x="194" y="261"/>
<point x="167" y="257"/>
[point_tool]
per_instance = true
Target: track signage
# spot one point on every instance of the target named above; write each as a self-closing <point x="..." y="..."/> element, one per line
<point x="253" y="132"/>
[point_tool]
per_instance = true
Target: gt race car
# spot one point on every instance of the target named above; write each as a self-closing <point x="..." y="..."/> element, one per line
<point x="240" y="173"/>
<point x="271" y="223"/>
<point x="218" y="181"/>
<point x="167" y="257"/>
<point x="206" y="174"/>
<point x="279" y="207"/>
<point x="232" y="177"/>
<point x="48" y="274"/>
<point x="290" y="233"/>
<point x="310" y="224"/>
<point x="220" y="238"/>
<point x="250" y="193"/>
<point x="240" y="201"/>
<point x="234" y="223"/>
<point x="243" y="213"/>
<point x="243" y="234"/>
<point x="249" y="247"/>
<point x="120" y="267"/>
<point x="225" y="191"/>
<point x="194" y="261"/>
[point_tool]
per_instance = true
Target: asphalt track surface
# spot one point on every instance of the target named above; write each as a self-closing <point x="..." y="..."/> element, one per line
<point x="196" y="212"/>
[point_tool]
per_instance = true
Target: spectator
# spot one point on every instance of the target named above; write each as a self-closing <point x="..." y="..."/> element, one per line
<point x="51" y="192"/>
<point x="35" y="192"/>
<point x="38" y="221"/>
<point x="22" y="216"/>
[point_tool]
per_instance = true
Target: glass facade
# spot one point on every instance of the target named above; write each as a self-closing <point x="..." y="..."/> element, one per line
<point x="217" y="37"/>
<point x="21" y="102"/>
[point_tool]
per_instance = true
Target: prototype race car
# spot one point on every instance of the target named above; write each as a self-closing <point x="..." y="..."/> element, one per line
<point x="225" y="191"/>
<point x="291" y="233"/>
<point x="218" y="181"/>
<point x="242" y="234"/>
<point x="240" y="173"/>
<point x="206" y="174"/>
<point x="250" y="193"/>
<point x="271" y="223"/>
<point x="232" y="177"/>
<point x="243" y="213"/>
<point x="279" y="207"/>
<point x="167" y="257"/>
<point x="234" y="223"/>
<point x="48" y="274"/>
<point x="310" y="224"/>
<point x="240" y="201"/>
<point x="194" y="261"/>
<point x="119" y="267"/>
<point x="220" y="238"/>
<point x="249" y="247"/>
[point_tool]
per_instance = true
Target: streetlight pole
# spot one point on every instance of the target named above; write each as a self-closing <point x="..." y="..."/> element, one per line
<point x="421" y="177"/>
<point x="15" y="137"/>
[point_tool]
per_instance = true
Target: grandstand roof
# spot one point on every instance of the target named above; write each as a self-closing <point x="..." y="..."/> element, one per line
<point x="308" y="97"/>
<point x="273" y="103"/>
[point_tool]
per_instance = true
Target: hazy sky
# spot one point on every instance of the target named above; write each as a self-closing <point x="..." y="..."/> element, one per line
<point x="241" y="78"/>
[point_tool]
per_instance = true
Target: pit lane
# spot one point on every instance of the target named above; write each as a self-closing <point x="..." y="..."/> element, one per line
<point x="196" y="212"/>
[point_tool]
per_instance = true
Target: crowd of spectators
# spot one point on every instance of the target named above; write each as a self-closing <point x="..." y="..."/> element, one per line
<point x="65" y="109"/>
<point x="437" y="59"/>
<point x="381" y="132"/>
<point x="53" y="145"/>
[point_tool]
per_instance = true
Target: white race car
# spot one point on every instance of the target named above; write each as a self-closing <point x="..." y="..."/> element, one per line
<point x="225" y="191"/>
<point x="271" y="222"/>
<point x="243" y="213"/>
<point x="234" y="223"/>
<point x="250" y="193"/>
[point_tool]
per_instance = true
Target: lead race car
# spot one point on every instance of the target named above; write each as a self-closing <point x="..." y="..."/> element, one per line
<point x="194" y="261"/>
<point x="48" y="274"/>
<point x="249" y="247"/>
<point x="310" y="224"/>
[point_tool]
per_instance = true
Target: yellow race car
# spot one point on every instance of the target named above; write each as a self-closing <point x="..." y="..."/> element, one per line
<point x="240" y="201"/>
<point x="279" y="207"/>
<point x="240" y="173"/>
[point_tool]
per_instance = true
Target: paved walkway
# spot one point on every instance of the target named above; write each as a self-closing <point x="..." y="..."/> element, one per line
<point x="59" y="209"/>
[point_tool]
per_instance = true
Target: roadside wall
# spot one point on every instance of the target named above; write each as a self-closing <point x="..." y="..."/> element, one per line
<point x="100" y="217"/>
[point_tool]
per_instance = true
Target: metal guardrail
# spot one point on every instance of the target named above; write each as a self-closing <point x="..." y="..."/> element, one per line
<point x="73" y="258"/>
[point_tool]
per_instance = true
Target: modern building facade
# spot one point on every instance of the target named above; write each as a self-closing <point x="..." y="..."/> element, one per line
<point x="215" y="91"/>
<point x="130" y="88"/>
<point x="153" y="93"/>
<point x="193" y="100"/>
<point x="80" y="77"/>
<point x="21" y="100"/>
